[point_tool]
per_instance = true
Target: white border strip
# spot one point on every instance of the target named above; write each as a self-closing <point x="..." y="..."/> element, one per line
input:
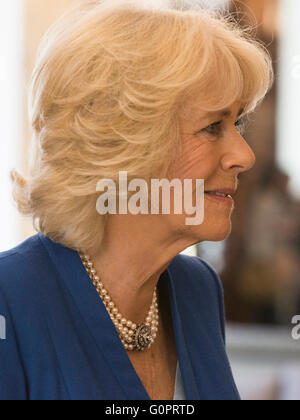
<point x="11" y="113"/>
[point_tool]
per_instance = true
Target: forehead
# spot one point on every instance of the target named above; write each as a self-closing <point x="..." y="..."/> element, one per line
<point x="195" y="113"/>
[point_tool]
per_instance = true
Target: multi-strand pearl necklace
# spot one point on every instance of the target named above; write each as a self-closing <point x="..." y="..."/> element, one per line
<point x="134" y="337"/>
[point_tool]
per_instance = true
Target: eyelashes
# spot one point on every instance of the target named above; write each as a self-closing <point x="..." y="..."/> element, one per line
<point x="216" y="129"/>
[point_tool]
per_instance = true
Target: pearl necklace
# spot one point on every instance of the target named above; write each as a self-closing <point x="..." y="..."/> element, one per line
<point x="134" y="337"/>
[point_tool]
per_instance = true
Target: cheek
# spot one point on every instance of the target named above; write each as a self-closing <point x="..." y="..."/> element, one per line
<point x="198" y="161"/>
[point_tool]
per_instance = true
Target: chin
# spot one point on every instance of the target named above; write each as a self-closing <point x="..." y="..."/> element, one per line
<point x="218" y="234"/>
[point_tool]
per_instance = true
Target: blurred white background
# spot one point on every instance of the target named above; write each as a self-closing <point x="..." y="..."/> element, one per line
<point x="12" y="112"/>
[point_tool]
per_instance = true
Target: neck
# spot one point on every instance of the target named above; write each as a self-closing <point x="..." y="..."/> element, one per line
<point x="132" y="257"/>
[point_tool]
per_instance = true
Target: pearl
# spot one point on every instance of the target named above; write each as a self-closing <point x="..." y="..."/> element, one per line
<point x="125" y="327"/>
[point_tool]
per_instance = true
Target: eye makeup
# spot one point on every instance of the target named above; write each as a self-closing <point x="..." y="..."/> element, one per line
<point x="216" y="129"/>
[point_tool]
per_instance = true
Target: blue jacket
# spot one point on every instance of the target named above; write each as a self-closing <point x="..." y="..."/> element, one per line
<point x="62" y="345"/>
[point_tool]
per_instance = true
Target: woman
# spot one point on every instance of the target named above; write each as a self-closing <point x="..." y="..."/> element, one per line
<point x="104" y="306"/>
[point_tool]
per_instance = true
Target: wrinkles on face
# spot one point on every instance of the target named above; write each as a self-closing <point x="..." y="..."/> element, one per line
<point x="213" y="150"/>
<point x="206" y="139"/>
<point x="198" y="159"/>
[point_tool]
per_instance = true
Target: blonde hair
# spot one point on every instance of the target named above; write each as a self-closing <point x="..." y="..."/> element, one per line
<point x="104" y="96"/>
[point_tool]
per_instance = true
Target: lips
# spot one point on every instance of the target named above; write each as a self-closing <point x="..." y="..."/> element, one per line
<point x="223" y="192"/>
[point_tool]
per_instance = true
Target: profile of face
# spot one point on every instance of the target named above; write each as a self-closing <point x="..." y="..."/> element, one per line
<point x="213" y="150"/>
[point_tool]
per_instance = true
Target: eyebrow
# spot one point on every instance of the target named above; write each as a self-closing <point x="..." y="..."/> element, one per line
<point x="225" y="113"/>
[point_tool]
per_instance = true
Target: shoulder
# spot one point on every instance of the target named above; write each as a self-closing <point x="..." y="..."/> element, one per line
<point x="25" y="272"/>
<point x="199" y="273"/>
<point x="21" y="254"/>
<point x="22" y="270"/>
<point x="22" y="273"/>
<point x="199" y="287"/>
<point x="20" y="265"/>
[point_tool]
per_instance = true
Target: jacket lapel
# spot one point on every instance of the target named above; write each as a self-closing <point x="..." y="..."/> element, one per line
<point x="187" y="373"/>
<point x="106" y="339"/>
<point x="204" y="364"/>
<point x="97" y="321"/>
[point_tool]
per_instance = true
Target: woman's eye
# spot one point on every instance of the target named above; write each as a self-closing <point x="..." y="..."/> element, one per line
<point x="216" y="129"/>
<point x="213" y="129"/>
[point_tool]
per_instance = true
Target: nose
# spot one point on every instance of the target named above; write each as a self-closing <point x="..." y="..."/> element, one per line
<point x="239" y="157"/>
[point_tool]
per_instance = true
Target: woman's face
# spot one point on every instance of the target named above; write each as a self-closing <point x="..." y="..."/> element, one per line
<point x="215" y="151"/>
